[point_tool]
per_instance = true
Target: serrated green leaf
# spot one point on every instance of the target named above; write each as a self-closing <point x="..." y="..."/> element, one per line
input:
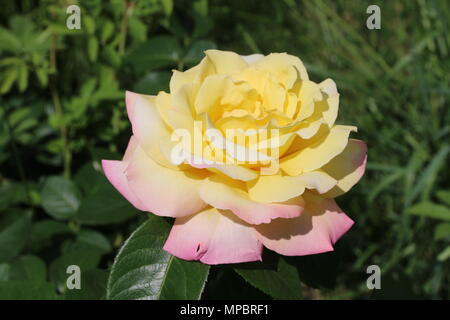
<point x="60" y="197"/>
<point x="143" y="270"/>
<point x="431" y="210"/>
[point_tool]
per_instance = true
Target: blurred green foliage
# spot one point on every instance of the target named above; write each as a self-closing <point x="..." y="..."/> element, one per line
<point x="62" y="110"/>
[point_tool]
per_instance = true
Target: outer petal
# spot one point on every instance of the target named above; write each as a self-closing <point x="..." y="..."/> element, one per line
<point x="132" y="145"/>
<point x="278" y="188"/>
<point x="213" y="237"/>
<point x="130" y="100"/>
<point x="315" y="231"/>
<point x="146" y="122"/>
<point x="222" y="194"/>
<point x="319" y="153"/>
<point x="163" y="191"/>
<point x="115" y="172"/>
<point x="330" y="113"/>
<point x="148" y="127"/>
<point x="347" y="168"/>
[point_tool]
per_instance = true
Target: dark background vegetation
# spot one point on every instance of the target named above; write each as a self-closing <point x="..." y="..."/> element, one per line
<point x="62" y="110"/>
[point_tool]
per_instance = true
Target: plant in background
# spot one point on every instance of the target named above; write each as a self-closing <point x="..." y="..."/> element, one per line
<point x="428" y="209"/>
<point x="24" y="51"/>
<point x="57" y="208"/>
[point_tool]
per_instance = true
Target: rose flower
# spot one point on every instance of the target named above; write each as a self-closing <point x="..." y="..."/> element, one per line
<point x="244" y="153"/>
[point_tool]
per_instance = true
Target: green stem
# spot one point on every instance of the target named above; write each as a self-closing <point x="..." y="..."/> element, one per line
<point x="66" y="154"/>
<point x="124" y="28"/>
<point x="64" y="131"/>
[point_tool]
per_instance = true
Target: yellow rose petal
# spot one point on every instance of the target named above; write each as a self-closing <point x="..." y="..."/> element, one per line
<point x="318" y="153"/>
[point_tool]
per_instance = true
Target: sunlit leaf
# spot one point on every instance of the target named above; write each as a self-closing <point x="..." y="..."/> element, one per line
<point x="143" y="270"/>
